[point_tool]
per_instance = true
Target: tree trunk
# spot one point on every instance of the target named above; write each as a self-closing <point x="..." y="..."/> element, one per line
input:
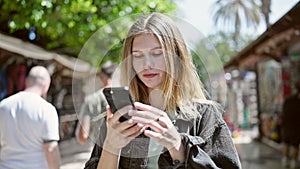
<point x="266" y="10"/>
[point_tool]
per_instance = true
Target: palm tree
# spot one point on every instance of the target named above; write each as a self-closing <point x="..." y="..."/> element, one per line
<point x="234" y="12"/>
<point x="266" y="9"/>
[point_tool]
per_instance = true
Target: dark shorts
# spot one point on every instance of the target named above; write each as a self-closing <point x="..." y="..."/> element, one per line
<point x="291" y="138"/>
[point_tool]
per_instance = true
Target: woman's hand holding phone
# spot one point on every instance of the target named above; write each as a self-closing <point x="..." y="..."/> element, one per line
<point x="119" y="134"/>
<point x="117" y="98"/>
<point x="162" y="127"/>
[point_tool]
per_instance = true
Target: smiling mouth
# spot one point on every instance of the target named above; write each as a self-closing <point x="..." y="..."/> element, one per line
<point x="149" y="75"/>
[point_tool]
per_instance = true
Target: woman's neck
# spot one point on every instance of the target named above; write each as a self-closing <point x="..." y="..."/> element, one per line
<point x="157" y="98"/>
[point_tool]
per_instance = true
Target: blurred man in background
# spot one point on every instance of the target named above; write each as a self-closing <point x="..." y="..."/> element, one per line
<point x="29" y="128"/>
<point x="290" y="129"/>
<point x="94" y="105"/>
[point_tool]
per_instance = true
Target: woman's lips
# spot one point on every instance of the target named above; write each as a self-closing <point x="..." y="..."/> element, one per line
<point x="149" y="75"/>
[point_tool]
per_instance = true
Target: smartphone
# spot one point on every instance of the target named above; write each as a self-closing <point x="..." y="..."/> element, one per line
<point x="117" y="98"/>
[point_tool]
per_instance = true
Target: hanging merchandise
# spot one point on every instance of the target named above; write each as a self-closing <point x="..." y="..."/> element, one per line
<point x="3" y="85"/>
<point x="16" y="75"/>
<point x="270" y="86"/>
<point x="271" y="97"/>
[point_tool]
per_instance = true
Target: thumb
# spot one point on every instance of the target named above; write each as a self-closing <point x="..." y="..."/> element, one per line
<point x="108" y="111"/>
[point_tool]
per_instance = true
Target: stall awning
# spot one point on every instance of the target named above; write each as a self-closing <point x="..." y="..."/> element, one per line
<point x="272" y="43"/>
<point x="29" y="50"/>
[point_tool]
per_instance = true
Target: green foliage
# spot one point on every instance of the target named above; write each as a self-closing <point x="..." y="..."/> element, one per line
<point x="215" y="51"/>
<point x="65" y="25"/>
<point x="224" y="45"/>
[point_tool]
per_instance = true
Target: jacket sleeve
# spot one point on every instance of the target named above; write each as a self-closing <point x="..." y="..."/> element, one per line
<point x="92" y="163"/>
<point x="196" y="158"/>
<point x="210" y="146"/>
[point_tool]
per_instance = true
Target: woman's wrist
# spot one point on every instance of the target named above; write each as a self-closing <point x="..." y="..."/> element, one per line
<point x="177" y="153"/>
<point x="111" y="148"/>
<point x="109" y="157"/>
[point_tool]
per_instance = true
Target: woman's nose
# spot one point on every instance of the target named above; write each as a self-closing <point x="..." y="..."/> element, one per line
<point x="149" y="62"/>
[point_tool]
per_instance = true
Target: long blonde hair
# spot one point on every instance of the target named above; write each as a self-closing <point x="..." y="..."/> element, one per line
<point x="181" y="83"/>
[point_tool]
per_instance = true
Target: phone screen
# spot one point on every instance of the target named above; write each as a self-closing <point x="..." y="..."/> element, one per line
<point x="117" y="98"/>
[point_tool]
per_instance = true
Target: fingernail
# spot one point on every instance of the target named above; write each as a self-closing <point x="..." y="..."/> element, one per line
<point x="137" y="103"/>
<point x="130" y="112"/>
<point x="130" y="121"/>
<point x="140" y="125"/>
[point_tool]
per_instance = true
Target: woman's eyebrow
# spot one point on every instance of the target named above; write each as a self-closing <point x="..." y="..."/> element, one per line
<point x="158" y="47"/>
<point x="138" y="50"/>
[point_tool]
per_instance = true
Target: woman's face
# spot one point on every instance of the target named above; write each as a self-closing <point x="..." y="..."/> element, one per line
<point x="148" y="60"/>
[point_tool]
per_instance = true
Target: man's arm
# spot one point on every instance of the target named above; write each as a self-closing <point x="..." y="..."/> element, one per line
<point x="84" y="129"/>
<point x="52" y="154"/>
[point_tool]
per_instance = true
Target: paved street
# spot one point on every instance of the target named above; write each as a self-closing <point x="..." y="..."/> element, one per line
<point x="259" y="156"/>
<point x="253" y="154"/>
<point x="74" y="155"/>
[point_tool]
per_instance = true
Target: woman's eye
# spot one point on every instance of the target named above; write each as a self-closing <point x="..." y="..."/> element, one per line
<point x="157" y="53"/>
<point x="137" y="55"/>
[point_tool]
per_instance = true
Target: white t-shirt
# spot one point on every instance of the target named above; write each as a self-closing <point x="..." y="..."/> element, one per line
<point x="26" y="121"/>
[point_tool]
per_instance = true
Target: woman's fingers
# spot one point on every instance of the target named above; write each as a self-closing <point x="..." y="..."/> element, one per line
<point x="125" y="128"/>
<point x="145" y="107"/>
<point x="169" y="139"/>
<point x="114" y="118"/>
<point x="122" y="111"/>
<point x="137" y="129"/>
<point x="125" y="125"/>
<point x="152" y="134"/>
<point x="160" y="137"/>
<point x="109" y="113"/>
<point x="147" y="112"/>
<point x="161" y="127"/>
<point x="147" y="117"/>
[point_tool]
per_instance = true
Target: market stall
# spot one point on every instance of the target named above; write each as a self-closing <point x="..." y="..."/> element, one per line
<point x="68" y="76"/>
<point x="274" y="58"/>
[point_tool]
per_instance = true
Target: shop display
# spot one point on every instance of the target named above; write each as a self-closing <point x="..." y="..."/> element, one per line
<point x="271" y="98"/>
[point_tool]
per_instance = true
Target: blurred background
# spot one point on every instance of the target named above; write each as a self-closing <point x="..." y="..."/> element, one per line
<point x="247" y="54"/>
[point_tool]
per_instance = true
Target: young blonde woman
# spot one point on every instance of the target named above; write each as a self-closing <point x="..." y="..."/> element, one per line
<point x="174" y="125"/>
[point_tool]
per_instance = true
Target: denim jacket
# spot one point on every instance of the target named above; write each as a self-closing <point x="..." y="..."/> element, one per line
<point x="207" y="141"/>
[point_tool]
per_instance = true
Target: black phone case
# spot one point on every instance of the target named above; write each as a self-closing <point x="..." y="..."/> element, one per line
<point x="117" y="98"/>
